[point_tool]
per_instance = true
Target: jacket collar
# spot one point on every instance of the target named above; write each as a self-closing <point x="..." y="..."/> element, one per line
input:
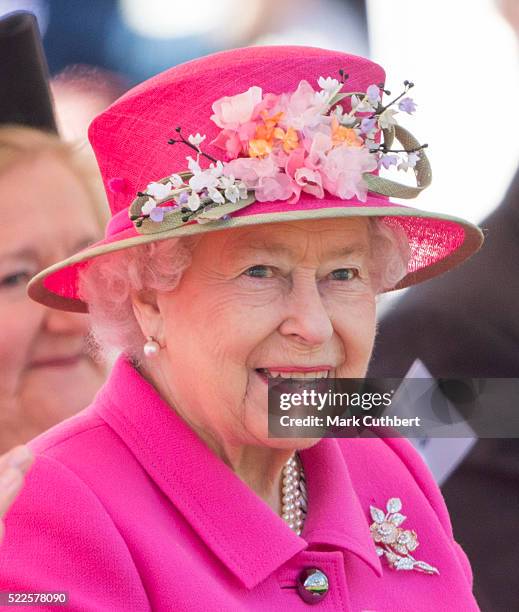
<point x="235" y="523"/>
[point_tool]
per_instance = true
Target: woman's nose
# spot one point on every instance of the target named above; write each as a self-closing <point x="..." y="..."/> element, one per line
<point x="306" y="316"/>
<point x="62" y="322"/>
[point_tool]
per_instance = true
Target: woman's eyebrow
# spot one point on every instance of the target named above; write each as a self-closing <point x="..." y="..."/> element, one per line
<point x="351" y="249"/>
<point x="23" y="253"/>
<point x="278" y="248"/>
<point x="283" y="249"/>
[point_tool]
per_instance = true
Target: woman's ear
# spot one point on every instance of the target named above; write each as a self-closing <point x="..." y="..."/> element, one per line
<point x="147" y="313"/>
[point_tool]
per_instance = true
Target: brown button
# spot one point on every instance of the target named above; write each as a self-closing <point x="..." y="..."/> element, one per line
<point x="312" y="585"/>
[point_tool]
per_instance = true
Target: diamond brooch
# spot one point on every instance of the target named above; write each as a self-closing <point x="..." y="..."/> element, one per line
<point x="395" y="543"/>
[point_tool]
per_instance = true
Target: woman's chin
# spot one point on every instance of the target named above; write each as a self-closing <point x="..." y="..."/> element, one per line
<point x="287" y="443"/>
<point x="257" y="396"/>
<point x="71" y="384"/>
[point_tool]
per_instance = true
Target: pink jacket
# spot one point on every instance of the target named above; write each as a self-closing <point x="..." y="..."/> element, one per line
<point x="126" y="509"/>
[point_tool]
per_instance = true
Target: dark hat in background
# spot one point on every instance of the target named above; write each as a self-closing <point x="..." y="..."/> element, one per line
<point x="24" y="90"/>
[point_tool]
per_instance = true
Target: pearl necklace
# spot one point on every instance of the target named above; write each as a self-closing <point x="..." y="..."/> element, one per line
<point x="294" y="500"/>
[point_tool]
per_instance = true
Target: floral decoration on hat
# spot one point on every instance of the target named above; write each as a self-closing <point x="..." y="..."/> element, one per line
<point x="393" y="542"/>
<point x="277" y="146"/>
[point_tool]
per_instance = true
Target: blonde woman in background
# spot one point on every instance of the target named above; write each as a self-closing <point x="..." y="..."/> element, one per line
<point x="49" y="205"/>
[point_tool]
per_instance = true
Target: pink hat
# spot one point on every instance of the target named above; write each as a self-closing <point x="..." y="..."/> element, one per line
<point x="260" y="135"/>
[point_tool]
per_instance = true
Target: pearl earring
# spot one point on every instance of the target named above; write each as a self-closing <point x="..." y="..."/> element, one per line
<point x="151" y="347"/>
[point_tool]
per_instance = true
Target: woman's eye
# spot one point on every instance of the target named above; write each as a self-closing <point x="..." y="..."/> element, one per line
<point x="344" y="274"/>
<point x="14" y="280"/>
<point x="259" y="271"/>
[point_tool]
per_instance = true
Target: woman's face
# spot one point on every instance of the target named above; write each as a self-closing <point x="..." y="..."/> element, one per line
<point x="45" y="374"/>
<point x="272" y="296"/>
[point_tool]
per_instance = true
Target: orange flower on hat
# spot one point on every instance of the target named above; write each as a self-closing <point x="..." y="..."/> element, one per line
<point x="346" y="135"/>
<point x="263" y="141"/>
<point x="289" y="139"/>
<point x="259" y="147"/>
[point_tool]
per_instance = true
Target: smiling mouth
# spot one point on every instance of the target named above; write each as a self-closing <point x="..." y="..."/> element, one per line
<point x="265" y="374"/>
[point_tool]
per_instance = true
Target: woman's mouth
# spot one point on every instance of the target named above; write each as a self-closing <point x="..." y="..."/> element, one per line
<point x="300" y="373"/>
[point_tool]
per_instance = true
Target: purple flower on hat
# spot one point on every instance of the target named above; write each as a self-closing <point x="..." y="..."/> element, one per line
<point x="373" y="93"/>
<point x="412" y="158"/>
<point x="388" y="160"/>
<point x="407" y="105"/>
<point x="157" y="214"/>
<point x="148" y="206"/>
<point x="368" y="124"/>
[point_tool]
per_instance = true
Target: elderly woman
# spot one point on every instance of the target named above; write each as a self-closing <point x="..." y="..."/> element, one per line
<point x="50" y="208"/>
<point x="258" y="255"/>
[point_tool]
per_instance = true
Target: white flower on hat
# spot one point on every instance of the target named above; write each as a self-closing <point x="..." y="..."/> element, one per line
<point x="158" y="190"/>
<point x="342" y="117"/>
<point x="410" y="162"/>
<point x="361" y="105"/>
<point x="204" y="179"/>
<point x="231" y="190"/>
<point x="321" y="99"/>
<point x="387" y="118"/>
<point x="215" y="195"/>
<point x="216" y="169"/>
<point x="243" y="189"/>
<point x="176" y="180"/>
<point x="196" y="140"/>
<point x="148" y="206"/>
<point x="193" y="201"/>
<point x="328" y="84"/>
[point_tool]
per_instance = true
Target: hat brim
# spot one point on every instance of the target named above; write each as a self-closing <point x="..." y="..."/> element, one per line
<point x="438" y="243"/>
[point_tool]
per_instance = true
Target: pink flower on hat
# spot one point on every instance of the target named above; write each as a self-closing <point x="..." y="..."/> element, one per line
<point x="343" y="168"/>
<point x="309" y="181"/>
<point x="229" y="141"/>
<point x="277" y="187"/>
<point x="303" y="108"/>
<point x="304" y="174"/>
<point x="230" y="112"/>
<point x="263" y="175"/>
